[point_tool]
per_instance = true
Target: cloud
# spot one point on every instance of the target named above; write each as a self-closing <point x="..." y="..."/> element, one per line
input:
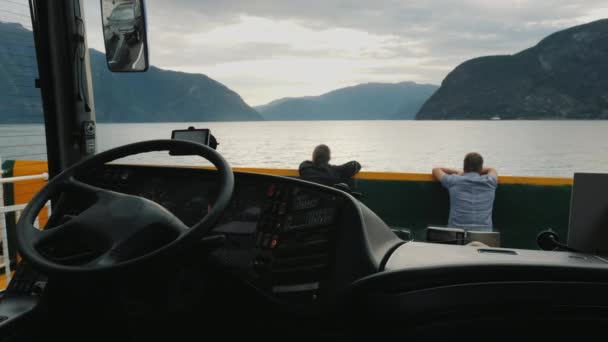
<point x="295" y="48"/>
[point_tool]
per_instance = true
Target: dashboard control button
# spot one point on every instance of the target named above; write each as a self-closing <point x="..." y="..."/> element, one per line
<point x="277" y="226"/>
<point x="282" y="208"/>
<point x="274" y="241"/>
<point x="124" y="175"/>
<point x="272" y="188"/>
<point x="266" y="241"/>
<point x="107" y="176"/>
<point x="260" y="264"/>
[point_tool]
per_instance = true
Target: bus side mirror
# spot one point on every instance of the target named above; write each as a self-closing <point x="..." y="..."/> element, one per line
<point x="125" y="35"/>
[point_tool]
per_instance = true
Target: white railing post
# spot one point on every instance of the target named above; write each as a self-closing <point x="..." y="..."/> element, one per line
<point x="43" y="176"/>
<point x="6" y="258"/>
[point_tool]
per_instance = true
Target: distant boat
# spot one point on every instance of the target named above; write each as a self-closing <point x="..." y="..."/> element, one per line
<point x="495" y="118"/>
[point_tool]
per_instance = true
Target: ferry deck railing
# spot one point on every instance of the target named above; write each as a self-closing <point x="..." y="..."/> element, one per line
<point x="17" y="209"/>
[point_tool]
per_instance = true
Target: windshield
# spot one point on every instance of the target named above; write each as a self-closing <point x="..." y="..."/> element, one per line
<point x="125" y="12"/>
<point x="407" y="97"/>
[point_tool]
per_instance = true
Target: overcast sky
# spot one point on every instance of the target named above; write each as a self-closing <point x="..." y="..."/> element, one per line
<point x="269" y="49"/>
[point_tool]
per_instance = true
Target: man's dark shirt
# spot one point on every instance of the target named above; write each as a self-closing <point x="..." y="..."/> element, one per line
<point x="326" y="174"/>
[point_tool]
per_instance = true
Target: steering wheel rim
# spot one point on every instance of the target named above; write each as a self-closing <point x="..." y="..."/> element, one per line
<point x="140" y="215"/>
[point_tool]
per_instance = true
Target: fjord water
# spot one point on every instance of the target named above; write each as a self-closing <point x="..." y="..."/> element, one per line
<point x="522" y="148"/>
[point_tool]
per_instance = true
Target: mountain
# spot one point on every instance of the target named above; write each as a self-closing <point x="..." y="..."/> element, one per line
<point x="162" y="95"/>
<point x="154" y="96"/>
<point x="370" y="101"/>
<point x="565" y="76"/>
<point x="19" y="99"/>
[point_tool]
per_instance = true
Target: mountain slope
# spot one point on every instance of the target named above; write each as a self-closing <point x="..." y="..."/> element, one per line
<point x="19" y="100"/>
<point x="161" y="95"/>
<point x="368" y="101"/>
<point x="563" y="76"/>
<point x="154" y="96"/>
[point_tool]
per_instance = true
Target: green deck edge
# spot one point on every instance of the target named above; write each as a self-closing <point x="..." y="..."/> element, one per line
<point x="521" y="211"/>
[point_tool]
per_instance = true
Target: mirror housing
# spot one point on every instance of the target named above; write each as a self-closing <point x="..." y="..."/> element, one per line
<point x="125" y="35"/>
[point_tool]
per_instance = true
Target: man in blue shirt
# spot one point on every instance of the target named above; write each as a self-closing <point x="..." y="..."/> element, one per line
<point x="471" y="193"/>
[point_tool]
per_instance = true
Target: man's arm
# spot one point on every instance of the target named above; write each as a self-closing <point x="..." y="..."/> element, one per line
<point x="489" y="171"/>
<point x="349" y="169"/>
<point x="439" y="172"/>
<point x="304" y="166"/>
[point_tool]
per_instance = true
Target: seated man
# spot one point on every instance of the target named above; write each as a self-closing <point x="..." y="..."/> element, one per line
<point x="471" y="193"/>
<point x="320" y="171"/>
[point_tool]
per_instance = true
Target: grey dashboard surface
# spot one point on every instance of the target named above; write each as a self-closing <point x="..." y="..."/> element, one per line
<point x="427" y="255"/>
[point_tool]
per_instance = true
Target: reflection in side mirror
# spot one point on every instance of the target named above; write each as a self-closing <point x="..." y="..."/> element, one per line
<point x="124" y="32"/>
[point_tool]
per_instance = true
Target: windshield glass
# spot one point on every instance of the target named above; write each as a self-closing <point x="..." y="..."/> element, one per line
<point x="123" y="13"/>
<point x="414" y="99"/>
<point x="397" y="86"/>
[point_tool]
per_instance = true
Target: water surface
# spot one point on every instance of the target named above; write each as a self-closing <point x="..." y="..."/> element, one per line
<point x="524" y="148"/>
